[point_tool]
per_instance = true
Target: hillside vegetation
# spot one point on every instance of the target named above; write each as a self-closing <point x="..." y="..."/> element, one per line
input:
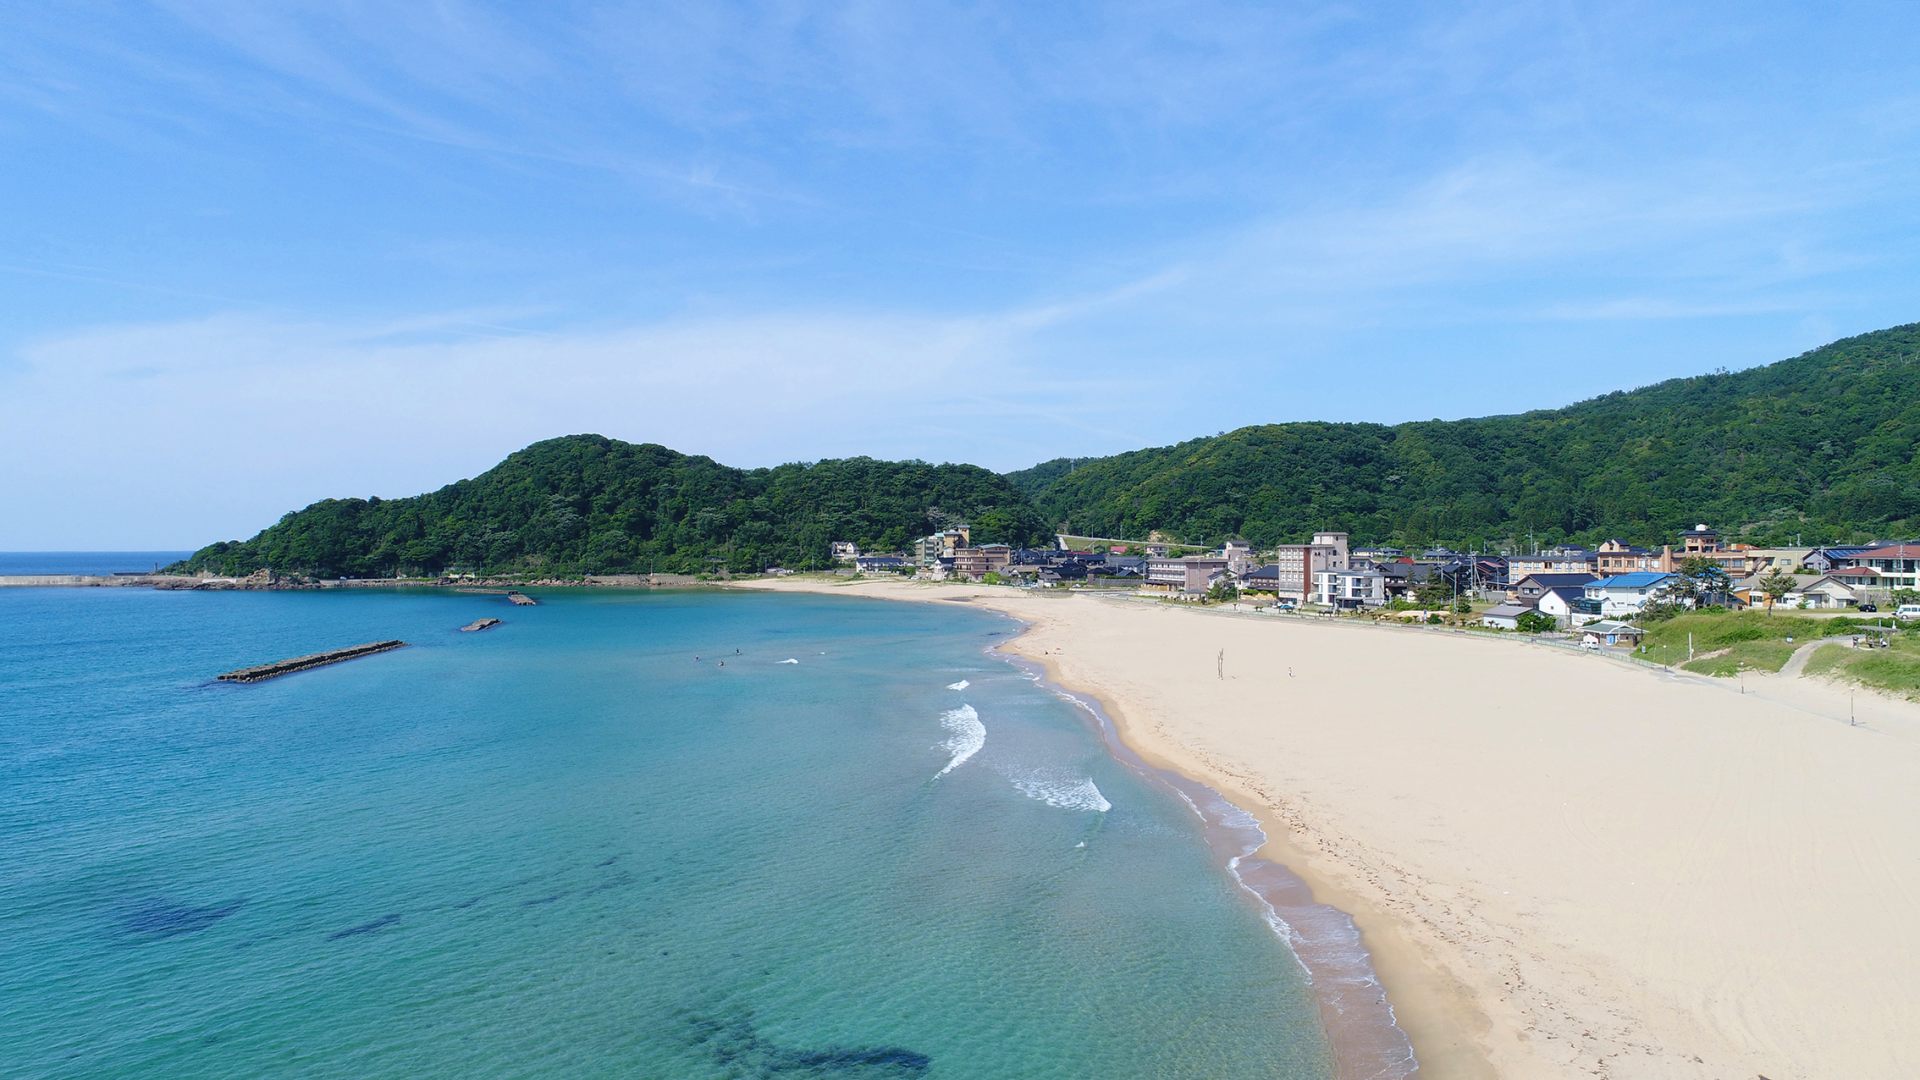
<point x="1825" y="446"/>
<point x="589" y="504"/>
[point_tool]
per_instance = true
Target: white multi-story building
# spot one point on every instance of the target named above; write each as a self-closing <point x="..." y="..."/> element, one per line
<point x="1295" y="565"/>
<point x="1349" y="588"/>
<point x="1898" y="564"/>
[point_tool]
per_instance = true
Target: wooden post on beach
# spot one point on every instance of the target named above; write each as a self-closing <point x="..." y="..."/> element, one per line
<point x="1220" y="665"/>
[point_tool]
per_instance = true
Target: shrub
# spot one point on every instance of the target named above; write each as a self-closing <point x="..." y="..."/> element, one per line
<point x="1535" y="622"/>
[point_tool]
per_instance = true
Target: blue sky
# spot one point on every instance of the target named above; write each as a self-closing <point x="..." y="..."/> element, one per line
<point x="260" y="254"/>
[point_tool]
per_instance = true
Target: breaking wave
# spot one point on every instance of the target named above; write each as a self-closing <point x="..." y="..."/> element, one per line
<point x="1061" y="788"/>
<point x="965" y="736"/>
<point x="961" y="685"/>
<point x="789" y="660"/>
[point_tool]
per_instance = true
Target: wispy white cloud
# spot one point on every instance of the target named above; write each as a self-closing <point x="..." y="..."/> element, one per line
<point x="245" y="415"/>
<point x="435" y="232"/>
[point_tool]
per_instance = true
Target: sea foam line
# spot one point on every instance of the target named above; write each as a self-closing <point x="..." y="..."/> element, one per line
<point x="961" y="685"/>
<point x="1324" y="942"/>
<point x="1061" y="788"/>
<point x="965" y="736"/>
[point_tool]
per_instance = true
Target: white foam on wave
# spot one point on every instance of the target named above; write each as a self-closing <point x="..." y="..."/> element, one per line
<point x="965" y="736"/>
<point x="1061" y="788"/>
<point x="789" y="660"/>
<point x="961" y="685"/>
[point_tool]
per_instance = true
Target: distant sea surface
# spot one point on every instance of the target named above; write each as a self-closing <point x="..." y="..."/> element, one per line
<point x="86" y="562"/>
<point x="621" y="834"/>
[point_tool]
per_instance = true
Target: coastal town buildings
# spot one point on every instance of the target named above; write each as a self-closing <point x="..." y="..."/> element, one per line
<point x="944" y="544"/>
<point x="1239" y="556"/>
<point x="1295" y="566"/>
<point x="1703" y="543"/>
<point x="1529" y="589"/>
<point x="1611" y="632"/>
<point x="1626" y="595"/>
<point x="1898" y="565"/>
<point x="1618" y="557"/>
<point x="1828" y="591"/>
<point x="1504" y="616"/>
<point x="1520" y="566"/>
<point x="1190" y="574"/>
<point x="879" y="564"/>
<point x="1349" y="588"/>
<point x="1561" y="603"/>
<point x="1822" y="559"/>
<point x="975" y="563"/>
<point x="1402" y="575"/>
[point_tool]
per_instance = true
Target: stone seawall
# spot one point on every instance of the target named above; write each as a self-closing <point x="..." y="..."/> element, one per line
<point x="262" y="672"/>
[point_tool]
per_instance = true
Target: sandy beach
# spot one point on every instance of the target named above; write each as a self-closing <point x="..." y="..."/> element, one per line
<point x="1563" y="865"/>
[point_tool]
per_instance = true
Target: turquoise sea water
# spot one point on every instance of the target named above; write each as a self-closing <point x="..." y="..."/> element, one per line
<point x="566" y="847"/>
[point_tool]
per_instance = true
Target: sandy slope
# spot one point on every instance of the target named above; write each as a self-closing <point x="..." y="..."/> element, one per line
<point x="1564" y="865"/>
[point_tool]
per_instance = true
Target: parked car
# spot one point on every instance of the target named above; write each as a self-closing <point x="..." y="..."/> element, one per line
<point x="1907" y="611"/>
<point x="1868" y="606"/>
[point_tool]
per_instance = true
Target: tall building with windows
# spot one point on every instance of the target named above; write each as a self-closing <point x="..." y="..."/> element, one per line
<point x="1295" y="565"/>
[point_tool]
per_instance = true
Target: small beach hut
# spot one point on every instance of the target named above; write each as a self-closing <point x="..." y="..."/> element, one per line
<point x="1611" y="632"/>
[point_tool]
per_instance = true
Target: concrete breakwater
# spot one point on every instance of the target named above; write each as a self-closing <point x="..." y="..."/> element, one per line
<point x="261" y="672"/>
<point x="479" y="624"/>
<point x="41" y="580"/>
<point x="521" y="599"/>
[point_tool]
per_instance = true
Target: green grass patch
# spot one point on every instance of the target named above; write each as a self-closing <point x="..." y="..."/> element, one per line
<point x="1744" y="656"/>
<point x="1829" y="659"/>
<point x="1757" y="639"/>
<point x="1895" y="670"/>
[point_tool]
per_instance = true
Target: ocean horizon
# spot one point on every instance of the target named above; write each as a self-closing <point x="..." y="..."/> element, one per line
<point x="88" y="563"/>
<point x="623" y="833"/>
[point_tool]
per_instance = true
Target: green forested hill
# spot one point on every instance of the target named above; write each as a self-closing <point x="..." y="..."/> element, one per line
<point x="590" y="504"/>
<point x="1825" y="446"/>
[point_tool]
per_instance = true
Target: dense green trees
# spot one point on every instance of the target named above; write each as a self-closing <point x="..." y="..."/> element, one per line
<point x="588" y="504"/>
<point x="1535" y="622"/>
<point x="1825" y="446"/>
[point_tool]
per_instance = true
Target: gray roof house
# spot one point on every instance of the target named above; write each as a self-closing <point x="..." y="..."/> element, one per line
<point x="1505" y="616"/>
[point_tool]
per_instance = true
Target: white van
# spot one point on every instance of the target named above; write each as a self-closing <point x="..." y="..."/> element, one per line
<point x="1907" y="611"/>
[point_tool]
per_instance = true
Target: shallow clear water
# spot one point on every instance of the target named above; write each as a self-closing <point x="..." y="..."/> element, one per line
<point x="564" y="847"/>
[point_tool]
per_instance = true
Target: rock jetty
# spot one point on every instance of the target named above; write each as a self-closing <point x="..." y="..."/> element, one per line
<point x="479" y="624"/>
<point x="261" y="672"/>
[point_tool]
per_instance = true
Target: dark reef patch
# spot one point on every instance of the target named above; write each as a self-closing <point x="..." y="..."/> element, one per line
<point x="165" y="918"/>
<point x="743" y="1051"/>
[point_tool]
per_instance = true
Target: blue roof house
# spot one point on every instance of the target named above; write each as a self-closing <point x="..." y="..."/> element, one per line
<point x="1627" y="595"/>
